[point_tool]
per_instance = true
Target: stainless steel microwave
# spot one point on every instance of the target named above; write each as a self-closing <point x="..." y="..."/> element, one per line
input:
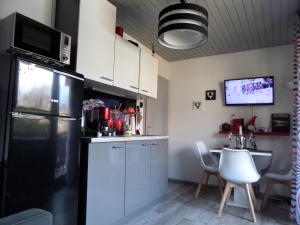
<point x="22" y="34"/>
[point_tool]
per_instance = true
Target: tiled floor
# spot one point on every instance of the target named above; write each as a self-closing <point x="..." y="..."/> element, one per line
<point x="181" y="208"/>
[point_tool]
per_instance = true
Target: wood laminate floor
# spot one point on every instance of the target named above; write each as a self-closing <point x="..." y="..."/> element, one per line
<point x="181" y="208"/>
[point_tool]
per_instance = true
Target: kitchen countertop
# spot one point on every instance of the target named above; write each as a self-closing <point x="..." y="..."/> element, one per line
<point x="122" y="138"/>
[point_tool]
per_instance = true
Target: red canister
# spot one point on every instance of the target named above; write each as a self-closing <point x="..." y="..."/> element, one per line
<point x="119" y="31"/>
<point x="105" y="113"/>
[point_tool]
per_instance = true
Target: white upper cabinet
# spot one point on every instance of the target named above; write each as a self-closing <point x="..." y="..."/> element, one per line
<point x="96" y="40"/>
<point x="148" y="74"/>
<point x="126" y="68"/>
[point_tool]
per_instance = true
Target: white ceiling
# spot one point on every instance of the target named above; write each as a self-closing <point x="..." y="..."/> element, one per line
<point x="234" y="25"/>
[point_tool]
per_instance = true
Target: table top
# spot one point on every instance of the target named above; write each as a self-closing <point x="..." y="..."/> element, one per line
<point x="252" y="152"/>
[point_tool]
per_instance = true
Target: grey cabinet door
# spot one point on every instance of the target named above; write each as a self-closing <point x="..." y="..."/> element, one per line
<point x="105" y="184"/>
<point x="137" y="184"/>
<point x="159" y="169"/>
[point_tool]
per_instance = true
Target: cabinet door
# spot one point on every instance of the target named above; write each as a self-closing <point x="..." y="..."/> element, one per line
<point x="159" y="169"/>
<point x="126" y="69"/>
<point x="105" y="185"/>
<point x="148" y="74"/>
<point x="96" y="40"/>
<point x="137" y="185"/>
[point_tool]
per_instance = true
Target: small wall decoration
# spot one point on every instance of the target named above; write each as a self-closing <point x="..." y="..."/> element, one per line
<point x="210" y="95"/>
<point x="196" y="105"/>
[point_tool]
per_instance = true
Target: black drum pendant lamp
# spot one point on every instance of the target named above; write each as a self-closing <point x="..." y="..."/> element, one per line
<point x="183" y="26"/>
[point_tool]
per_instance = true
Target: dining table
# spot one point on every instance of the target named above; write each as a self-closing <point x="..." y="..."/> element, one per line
<point x="262" y="160"/>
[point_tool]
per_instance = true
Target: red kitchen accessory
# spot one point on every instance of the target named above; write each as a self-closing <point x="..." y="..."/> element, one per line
<point x="236" y="123"/>
<point x="105" y="113"/>
<point x="252" y="121"/>
<point x="131" y="110"/>
<point x="118" y="124"/>
<point x="110" y="122"/>
<point x="119" y="31"/>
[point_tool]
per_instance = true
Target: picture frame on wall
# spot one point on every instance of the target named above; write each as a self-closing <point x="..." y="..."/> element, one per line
<point x="210" y="95"/>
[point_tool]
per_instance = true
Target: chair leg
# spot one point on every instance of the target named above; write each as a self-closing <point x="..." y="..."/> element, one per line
<point x="220" y="184"/>
<point x="267" y="193"/>
<point x="227" y="188"/>
<point x="206" y="181"/>
<point x="253" y="197"/>
<point x="250" y="202"/>
<point x="223" y="181"/>
<point x="204" y="175"/>
<point x="229" y="193"/>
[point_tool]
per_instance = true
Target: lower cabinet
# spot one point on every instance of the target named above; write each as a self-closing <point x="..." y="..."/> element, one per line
<point x="159" y="169"/>
<point x="137" y="179"/>
<point x="105" y="183"/>
<point x="123" y="177"/>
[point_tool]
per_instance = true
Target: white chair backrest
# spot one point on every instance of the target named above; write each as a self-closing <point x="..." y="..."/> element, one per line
<point x="207" y="159"/>
<point x="238" y="166"/>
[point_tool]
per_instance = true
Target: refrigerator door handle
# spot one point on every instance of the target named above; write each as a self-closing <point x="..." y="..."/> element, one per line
<point x="38" y="117"/>
<point x="67" y="119"/>
<point x="27" y="116"/>
<point x="68" y="75"/>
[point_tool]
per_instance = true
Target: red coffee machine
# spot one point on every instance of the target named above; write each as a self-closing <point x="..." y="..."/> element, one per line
<point x="104" y="121"/>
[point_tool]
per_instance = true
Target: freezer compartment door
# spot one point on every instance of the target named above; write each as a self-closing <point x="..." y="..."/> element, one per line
<point x="42" y="90"/>
<point x="43" y="166"/>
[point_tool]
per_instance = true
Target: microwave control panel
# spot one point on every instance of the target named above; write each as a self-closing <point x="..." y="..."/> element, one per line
<point x="65" y="48"/>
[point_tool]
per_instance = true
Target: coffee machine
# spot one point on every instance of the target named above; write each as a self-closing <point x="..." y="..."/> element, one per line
<point x="96" y="122"/>
<point x="104" y="128"/>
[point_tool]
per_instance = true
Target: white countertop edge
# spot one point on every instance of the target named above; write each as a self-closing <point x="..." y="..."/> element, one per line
<point x="118" y="139"/>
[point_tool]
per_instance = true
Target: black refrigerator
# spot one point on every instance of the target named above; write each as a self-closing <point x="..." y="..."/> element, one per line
<point x="40" y="119"/>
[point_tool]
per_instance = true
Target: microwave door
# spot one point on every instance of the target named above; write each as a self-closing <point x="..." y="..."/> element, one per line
<point x="37" y="38"/>
<point x="35" y="89"/>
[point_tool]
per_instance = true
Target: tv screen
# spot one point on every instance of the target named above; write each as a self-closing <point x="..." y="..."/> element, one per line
<point x="249" y="91"/>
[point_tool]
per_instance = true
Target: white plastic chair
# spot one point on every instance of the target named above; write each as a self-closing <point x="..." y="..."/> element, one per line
<point x="238" y="168"/>
<point x="276" y="178"/>
<point x="209" y="164"/>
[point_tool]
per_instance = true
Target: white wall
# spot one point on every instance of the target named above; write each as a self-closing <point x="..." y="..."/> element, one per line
<point x="190" y="79"/>
<point x="40" y="10"/>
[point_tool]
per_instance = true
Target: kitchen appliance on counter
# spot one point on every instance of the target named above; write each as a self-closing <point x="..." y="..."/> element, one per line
<point x="98" y="121"/>
<point x="280" y="122"/>
<point x="40" y="138"/>
<point x="22" y="34"/>
<point x="104" y="128"/>
<point x="92" y="118"/>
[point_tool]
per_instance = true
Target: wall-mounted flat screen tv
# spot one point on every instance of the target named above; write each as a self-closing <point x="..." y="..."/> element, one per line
<point x="249" y="91"/>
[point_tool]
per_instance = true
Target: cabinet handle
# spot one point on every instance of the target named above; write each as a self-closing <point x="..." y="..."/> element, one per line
<point x="106" y="78"/>
<point x="154" y="144"/>
<point x="145" y="91"/>
<point x="145" y="144"/>
<point x="118" y="147"/>
<point x="133" y="87"/>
